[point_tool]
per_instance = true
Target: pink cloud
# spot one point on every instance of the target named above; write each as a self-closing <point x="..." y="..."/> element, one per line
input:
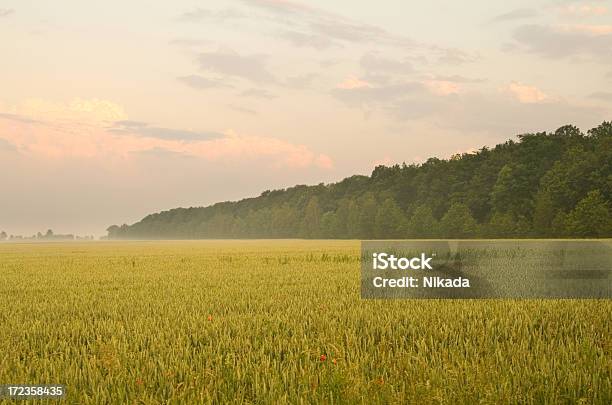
<point x="583" y="10"/>
<point x="384" y="161"/>
<point x="588" y="29"/>
<point x="352" y="82"/>
<point x="442" y="87"/>
<point x="524" y="93"/>
<point x="83" y="129"/>
<point x="324" y="162"/>
<point x="234" y="146"/>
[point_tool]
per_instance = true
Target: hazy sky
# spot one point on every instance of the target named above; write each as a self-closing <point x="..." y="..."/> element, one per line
<point x="113" y="110"/>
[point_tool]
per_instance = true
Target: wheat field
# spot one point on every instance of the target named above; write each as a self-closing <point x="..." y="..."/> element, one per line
<point x="188" y="322"/>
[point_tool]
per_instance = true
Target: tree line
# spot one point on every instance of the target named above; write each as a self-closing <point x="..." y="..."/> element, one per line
<point x="542" y="185"/>
<point x="49" y="235"/>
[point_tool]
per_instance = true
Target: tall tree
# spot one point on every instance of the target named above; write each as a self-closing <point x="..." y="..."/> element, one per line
<point x="422" y="223"/>
<point x="353" y="225"/>
<point x="501" y="225"/>
<point x="511" y="193"/>
<point x="458" y="222"/>
<point x="329" y="226"/>
<point x="311" y="220"/>
<point x="590" y="218"/>
<point x="543" y="215"/>
<point x="367" y="215"/>
<point x="389" y="221"/>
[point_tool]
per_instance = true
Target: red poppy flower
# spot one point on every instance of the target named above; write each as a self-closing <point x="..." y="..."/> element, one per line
<point x="323" y="357"/>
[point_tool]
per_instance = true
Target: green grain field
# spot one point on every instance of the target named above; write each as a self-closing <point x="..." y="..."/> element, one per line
<point x="278" y="322"/>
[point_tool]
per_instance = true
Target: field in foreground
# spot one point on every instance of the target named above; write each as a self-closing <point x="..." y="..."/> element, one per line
<point x="275" y="322"/>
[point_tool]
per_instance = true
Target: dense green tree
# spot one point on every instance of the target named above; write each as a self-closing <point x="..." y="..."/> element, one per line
<point x="543" y="214"/>
<point x="113" y="232"/>
<point x="559" y="225"/>
<point x="311" y="221"/>
<point x="458" y="222"/>
<point x="602" y="131"/>
<point x="284" y="221"/>
<point x="389" y="221"/>
<point x="590" y="218"/>
<point x="570" y="178"/>
<point x="368" y="208"/>
<point x="329" y="225"/>
<point x="501" y="225"/>
<point x="353" y="228"/>
<point x="342" y="219"/>
<point x="221" y="225"/>
<point x="238" y="227"/>
<point x="511" y="193"/>
<point x="422" y="223"/>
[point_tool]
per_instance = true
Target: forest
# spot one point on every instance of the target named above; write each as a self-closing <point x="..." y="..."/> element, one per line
<point x="540" y="185"/>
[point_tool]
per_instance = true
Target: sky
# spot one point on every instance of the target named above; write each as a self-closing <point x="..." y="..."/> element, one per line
<point x="113" y="110"/>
